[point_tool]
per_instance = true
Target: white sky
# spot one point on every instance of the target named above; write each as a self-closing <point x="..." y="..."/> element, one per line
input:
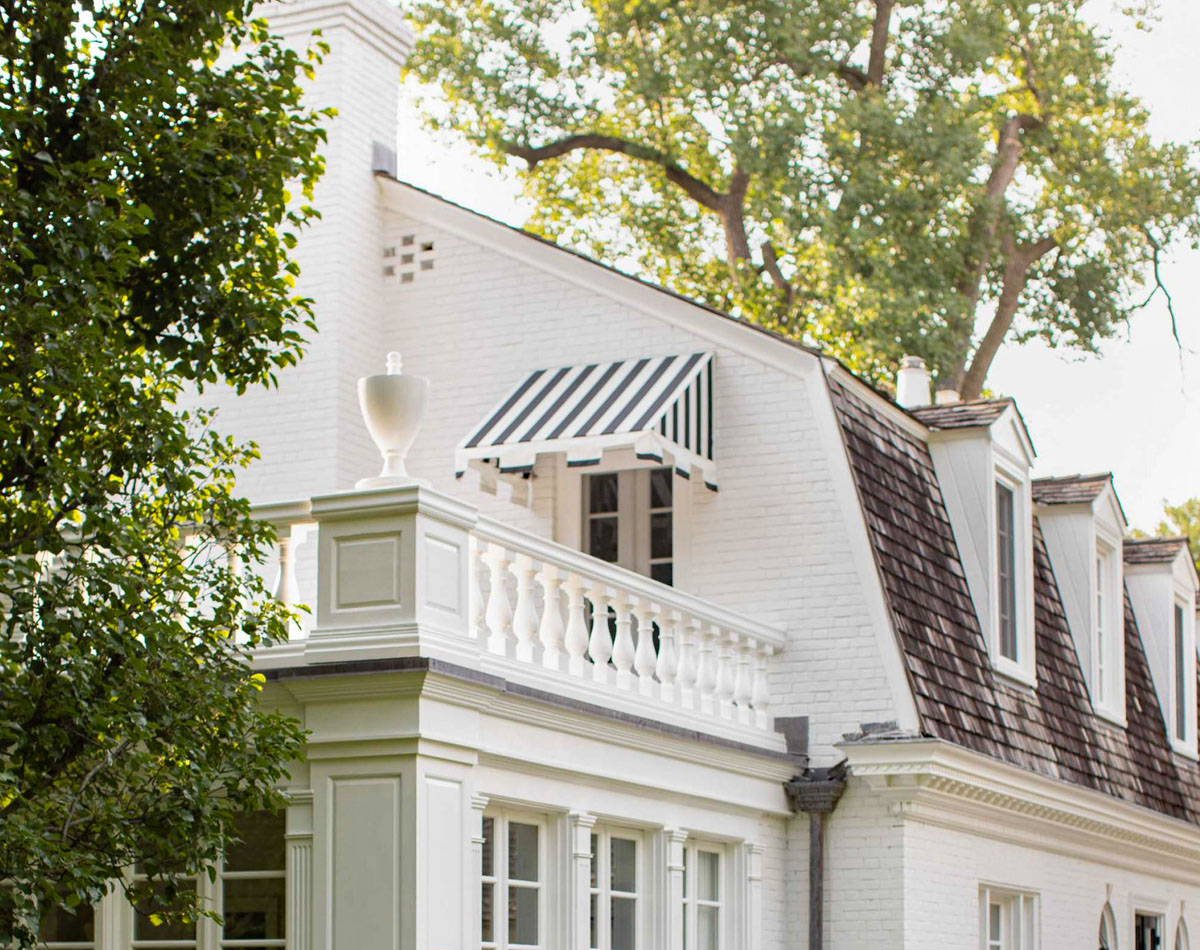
<point x="1135" y="408"/>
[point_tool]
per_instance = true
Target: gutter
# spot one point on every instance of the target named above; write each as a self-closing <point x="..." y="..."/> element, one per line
<point x="816" y="793"/>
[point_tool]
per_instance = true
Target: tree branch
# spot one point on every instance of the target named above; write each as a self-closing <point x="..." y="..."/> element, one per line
<point x="699" y="191"/>
<point x="879" y="41"/>
<point x="771" y="265"/>
<point x="1016" y="274"/>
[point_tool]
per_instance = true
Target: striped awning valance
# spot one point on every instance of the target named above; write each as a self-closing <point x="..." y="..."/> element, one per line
<point x="661" y="407"/>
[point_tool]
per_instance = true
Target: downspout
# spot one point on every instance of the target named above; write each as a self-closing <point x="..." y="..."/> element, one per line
<point x="816" y="792"/>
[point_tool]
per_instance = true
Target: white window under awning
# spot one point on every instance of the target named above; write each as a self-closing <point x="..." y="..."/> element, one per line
<point x="661" y="407"/>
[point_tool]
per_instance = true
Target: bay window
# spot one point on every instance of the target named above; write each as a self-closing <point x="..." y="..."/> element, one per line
<point x="702" y="898"/>
<point x="614" y="890"/>
<point x="511" y="904"/>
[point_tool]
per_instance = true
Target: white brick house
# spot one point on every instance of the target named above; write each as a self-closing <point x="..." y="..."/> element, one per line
<point x="780" y="665"/>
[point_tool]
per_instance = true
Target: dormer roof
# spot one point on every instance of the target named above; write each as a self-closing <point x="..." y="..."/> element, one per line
<point x="963" y="415"/>
<point x="1070" y="489"/>
<point x="1153" y="550"/>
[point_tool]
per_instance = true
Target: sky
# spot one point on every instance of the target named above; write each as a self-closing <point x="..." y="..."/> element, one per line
<point x="1133" y="409"/>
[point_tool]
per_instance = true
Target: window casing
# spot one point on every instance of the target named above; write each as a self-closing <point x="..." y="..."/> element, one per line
<point x="512" y="904"/>
<point x="629" y="519"/>
<point x="1008" y="920"/>
<point x="1147" y="932"/>
<point x="1108" y="624"/>
<point x="703" y="897"/>
<point x="615" y="890"/>
<point x="1006" y="573"/>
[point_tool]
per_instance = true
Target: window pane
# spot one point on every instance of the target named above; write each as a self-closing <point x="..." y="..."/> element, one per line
<point x="602" y="539"/>
<point x="994" y="922"/>
<point x="522" y="852"/>
<point x="261" y="847"/>
<point x="660" y="534"/>
<point x="145" y="929"/>
<point x="60" y="924"/>
<point x="708" y="865"/>
<point x="1006" y="571"/>
<point x="624" y="921"/>
<point x="594" y="938"/>
<point x="707" y="927"/>
<point x="487" y="862"/>
<point x="660" y="488"/>
<point x="602" y="493"/>
<point x="623" y="854"/>
<point x="487" y="912"/>
<point x="522" y="915"/>
<point x="253" y="909"/>
<point x="664" y="573"/>
<point x="1180" y="681"/>
<point x="595" y="847"/>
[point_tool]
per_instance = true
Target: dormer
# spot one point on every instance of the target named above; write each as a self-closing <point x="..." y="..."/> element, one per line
<point x="1161" y="580"/>
<point x="1083" y="524"/>
<point x="982" y="455"/>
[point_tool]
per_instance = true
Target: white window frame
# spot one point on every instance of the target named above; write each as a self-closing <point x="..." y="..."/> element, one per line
<point x="1019" y="919"/>
<point x="1108" y="629"/>
<point x="1024" y="667"/>
<point x="692" y="902"/>
<point x="571" y="511"/>
<point x="1183" y="608"/>
<point x="601" y="838"/>
<point x="500" y="881"/>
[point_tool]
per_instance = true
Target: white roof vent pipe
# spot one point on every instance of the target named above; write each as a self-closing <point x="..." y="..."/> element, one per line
<point x="912" y="383"/>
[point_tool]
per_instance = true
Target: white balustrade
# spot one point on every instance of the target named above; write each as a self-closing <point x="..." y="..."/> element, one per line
<point x="598" y="623"/>
<point x="293" y="526"/>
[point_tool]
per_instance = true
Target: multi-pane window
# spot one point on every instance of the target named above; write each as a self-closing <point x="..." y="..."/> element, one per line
<point x="629" y="519"/>
<point x="1006" y="571"/>
<point x="613" y="891"/>
<point x="1008" y="920"/>
<point x="1101" y="631"/>
<point x="511" y="873"/>
<point x="702" y="898"/>
<point x="153" y="930"/>
<point x="63" y="930"/>
<point x="1147" y="932"/>
<point x="1179" y="654"/>
<point x="253" y="885"/>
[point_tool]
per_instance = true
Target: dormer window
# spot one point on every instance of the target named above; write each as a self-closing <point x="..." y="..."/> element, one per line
<point x="1082" y="523"/>
<point x="982" y="456"/>
<point x="1162" y="585"/>
<point x="1006" y="571"/>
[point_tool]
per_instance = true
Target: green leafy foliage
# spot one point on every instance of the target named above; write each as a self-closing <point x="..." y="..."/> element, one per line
<point x="1181" y="520"/>
<point x="877" y="177"/>
<point x="146" y="152"/>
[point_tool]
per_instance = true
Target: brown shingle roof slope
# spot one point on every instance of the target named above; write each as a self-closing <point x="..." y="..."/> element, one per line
<point x="1070" y="489"/>
<point x="1052" y="729"/>
<point x="962" y="415"/>
<point x="1152" y="550"/>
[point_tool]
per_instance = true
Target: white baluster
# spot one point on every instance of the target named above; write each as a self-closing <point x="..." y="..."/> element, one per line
<point x="668" y="666"/>
<point x="285" y="581"/>
<point x="644" y="657"/>
<point x="475" y="601"/>
<point x="724" y="675"/>
<point x="498" y="616"/>
<point x="576" y="637"/>
<point x="550" y="631"/>
<point x="623" y="650"/>
<point x="689" y="661"/>
<point x="743" y="685"/>
<point x="600" y="644"/>
<point x="761" y="697"/>
<point x="525" y="619"/>
<point x="706" y="670"/>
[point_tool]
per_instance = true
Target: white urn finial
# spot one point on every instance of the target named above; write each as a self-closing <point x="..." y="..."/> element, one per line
<point x="392" y="405"/>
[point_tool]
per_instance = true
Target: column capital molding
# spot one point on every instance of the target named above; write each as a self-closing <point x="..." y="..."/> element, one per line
<point x="479" y="802"/>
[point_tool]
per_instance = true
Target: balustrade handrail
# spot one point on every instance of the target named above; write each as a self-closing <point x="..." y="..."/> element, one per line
<point x="613" y="575"/>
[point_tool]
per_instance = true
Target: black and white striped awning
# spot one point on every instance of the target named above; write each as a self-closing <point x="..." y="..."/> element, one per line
<point x="661" y="407"/>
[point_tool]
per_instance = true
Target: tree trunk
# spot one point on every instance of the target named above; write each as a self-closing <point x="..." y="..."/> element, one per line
<point x="1016" y="274"/>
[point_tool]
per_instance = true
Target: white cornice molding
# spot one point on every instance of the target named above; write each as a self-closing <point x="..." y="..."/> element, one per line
<point x="942" y="784"/>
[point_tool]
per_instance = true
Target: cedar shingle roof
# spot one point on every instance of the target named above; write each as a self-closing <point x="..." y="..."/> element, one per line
<point x="962" y="415"/>
<point x="1152" y="550"/>
<point x="1051" y="729"/>
<point x="1070" y="489"/>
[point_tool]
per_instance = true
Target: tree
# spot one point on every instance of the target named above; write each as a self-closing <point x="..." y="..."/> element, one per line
<point x="1182" y="520"/>
<point x="875" y="176"/>
<point x="145" y="223"/>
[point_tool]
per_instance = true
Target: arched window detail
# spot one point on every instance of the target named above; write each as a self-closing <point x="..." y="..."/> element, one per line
<point x="1108" y="929"/>
<point x="1181" y="936"/>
